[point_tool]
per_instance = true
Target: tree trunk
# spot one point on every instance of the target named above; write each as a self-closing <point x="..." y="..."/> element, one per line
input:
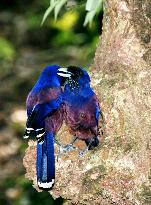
<point x="118" y="172"/>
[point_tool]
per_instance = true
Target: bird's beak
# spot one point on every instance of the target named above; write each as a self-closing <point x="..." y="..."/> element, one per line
<point x="63" y="72"/>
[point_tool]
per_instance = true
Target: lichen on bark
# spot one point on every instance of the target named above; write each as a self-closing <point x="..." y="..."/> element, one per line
<point x="118" y="171"/>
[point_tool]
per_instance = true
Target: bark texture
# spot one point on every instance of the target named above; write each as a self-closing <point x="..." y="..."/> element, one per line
<point x="118" y="171"/>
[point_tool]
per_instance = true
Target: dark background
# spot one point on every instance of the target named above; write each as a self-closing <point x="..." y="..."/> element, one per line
<point x="25" y="49"/>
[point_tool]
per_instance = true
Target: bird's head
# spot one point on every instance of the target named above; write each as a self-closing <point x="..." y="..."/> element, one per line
<point x="74" y="75"/>
<point x="49" y="78"/>
<point x="50" y="70"/>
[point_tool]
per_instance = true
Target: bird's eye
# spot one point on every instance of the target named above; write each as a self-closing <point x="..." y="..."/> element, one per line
<point x="83" y="115"/>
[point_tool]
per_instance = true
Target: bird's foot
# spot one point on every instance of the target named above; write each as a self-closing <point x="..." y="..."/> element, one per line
<point x="60" y="152"/>
<point x="83" y="152"/>
<point x="69" y="147"/>
<point x="64" y="149"/>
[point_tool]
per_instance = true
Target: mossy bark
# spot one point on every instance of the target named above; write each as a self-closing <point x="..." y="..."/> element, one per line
<point x="118" y="171"/>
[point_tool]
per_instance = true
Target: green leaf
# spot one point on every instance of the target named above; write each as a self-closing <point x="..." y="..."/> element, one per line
<point x="91" y="4"/>
<point x="89" y="17"/>
<point x="49" y="10"/>
<point x="58" y="7"/>
<point x="52" y="2"/>
<point x="95" y="8"/>
<point x="7" y="50"/>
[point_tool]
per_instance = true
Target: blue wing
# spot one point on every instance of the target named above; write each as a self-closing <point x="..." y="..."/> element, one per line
<point x="36" y="118"/>
<point x="97" y="114"/>
<point x="45" y="162"/>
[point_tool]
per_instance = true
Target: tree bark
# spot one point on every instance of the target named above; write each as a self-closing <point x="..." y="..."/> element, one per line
<point x="118" y="171"/>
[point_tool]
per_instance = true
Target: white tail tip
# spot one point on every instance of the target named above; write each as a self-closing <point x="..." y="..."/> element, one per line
<point x="46" y="185"/>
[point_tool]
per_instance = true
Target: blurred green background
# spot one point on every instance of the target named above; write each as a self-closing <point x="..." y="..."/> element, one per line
<point x="25" y="49"/>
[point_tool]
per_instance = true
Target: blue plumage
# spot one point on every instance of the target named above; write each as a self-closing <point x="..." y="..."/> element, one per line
<point x="45" y="164"/>
<point x="45" y="117"/>
<point x="47" y="106"/>
<point x="82" y="109"/>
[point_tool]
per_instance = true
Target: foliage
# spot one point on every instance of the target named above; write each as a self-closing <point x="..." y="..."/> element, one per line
<point x="7" y="55"/>
<point x="92" y="7"/>
<point x="7" y="51"/>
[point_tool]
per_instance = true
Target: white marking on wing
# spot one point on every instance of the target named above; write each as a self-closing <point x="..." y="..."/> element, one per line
<point x="40" y="135"/>
<point x="25" y="136"/>
<point x="29" y="128"/>
<point x="39" y="129"/>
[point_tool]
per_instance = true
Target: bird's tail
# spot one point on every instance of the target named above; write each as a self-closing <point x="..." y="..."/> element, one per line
<point x="45" y="163"/>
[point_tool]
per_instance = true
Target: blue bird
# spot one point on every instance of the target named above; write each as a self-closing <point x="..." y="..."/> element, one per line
<point x="45" y="117"/>
<point x="81" y="107"/>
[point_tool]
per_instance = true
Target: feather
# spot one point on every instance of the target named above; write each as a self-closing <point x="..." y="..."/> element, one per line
<point x="81" y="107"/>
<point x="43" y="107"/>
<point x="45" y="162"/>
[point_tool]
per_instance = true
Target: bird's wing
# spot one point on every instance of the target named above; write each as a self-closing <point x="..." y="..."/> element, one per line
<point x="39" y="131"/>
<point x="97" y="108"/>
<point x="97" y="113"/>
<point x="36" y="118"/>
<point x="100" y="118"/>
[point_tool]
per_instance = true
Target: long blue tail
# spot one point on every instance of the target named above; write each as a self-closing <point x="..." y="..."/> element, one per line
<point x="45" y="163"/>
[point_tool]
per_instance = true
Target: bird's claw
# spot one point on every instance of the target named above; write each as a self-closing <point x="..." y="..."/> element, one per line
<point x="59" y="152"/>
<point x="65" y="149"/>
<point x="83" y="152"/>
<point x="69" y="147"/>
